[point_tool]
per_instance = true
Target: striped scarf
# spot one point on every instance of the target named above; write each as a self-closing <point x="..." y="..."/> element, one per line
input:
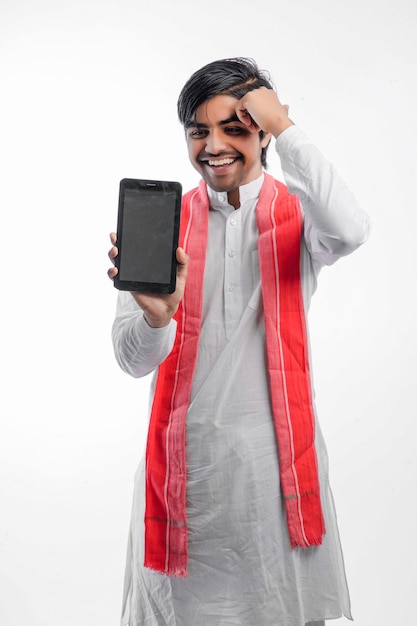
<point x="279" y="222"/>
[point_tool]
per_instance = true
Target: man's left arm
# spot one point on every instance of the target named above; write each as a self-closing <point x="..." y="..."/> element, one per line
<point x="335" y="225"/>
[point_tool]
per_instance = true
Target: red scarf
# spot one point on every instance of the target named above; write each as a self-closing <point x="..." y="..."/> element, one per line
<point x="279" y="223"/>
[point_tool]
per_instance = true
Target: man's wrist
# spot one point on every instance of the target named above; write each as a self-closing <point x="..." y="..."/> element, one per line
<point x="280" y="126"/>
<point x="156" y="322"/>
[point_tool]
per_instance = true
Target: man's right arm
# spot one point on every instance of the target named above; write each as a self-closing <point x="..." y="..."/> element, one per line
<point x="138" y="347"/>
<point x="143" y="331"/>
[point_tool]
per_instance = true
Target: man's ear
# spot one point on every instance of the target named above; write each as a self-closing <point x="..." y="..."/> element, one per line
<point x="266" y="139"/>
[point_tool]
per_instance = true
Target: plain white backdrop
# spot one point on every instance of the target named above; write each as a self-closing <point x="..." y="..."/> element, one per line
<point x="88" y="96"/>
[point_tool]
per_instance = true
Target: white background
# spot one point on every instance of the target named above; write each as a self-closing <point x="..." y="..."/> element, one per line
<point x="88" y="96"/>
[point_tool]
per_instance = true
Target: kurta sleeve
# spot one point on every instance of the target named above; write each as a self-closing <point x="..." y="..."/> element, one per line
<point x="138" y="348"/>
<point x="334" y="224"/>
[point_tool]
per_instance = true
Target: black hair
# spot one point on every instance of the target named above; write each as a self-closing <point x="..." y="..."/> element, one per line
<point x="232" y="77"/>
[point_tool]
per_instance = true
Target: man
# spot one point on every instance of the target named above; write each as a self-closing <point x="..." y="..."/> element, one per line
<point x="233" y="520"/>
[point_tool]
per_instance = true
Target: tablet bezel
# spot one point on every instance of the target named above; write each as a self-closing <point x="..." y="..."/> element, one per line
<point x="159" y="186"/>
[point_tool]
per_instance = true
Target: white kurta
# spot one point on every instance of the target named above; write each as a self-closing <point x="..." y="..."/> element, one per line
<point x="242" y="571"/>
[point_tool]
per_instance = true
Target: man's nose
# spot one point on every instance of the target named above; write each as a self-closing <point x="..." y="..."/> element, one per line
<point x="216" y="142"/>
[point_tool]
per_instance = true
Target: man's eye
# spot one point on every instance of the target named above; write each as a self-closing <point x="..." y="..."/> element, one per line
<point x="197" y="133"/>
<point x="234" y="130"/>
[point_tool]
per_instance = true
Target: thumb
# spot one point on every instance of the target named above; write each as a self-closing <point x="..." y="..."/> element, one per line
<point x="182" y="256"/>
<point x="183" y="260"/>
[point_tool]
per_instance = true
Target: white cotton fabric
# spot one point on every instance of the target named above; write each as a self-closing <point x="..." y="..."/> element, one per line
<point x="242" y="571"/>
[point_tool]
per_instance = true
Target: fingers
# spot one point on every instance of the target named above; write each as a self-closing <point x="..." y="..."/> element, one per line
<point x="265" y="111"/>
<point x="112" y="254"/>
<point x="246" y="118"/>
<point x="114" y="251"/>
<point x="112" y="272"/>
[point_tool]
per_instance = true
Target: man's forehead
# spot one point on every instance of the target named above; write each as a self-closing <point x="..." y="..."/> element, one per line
<point x="216" y="111"/>
<point x="194" y="122"/>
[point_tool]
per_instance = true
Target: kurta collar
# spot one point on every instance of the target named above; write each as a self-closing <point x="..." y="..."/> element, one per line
<point x="250" y="191"/>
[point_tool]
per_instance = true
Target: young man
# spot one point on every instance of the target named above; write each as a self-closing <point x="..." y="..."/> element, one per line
<point x="233" y="520"/>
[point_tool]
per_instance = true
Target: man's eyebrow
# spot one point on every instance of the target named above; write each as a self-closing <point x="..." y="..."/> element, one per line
<point x="194" y="124"/>
<point x="232" y="118"/>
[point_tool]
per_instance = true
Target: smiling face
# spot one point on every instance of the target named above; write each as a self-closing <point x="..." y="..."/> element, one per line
<point x="222" y="149"/>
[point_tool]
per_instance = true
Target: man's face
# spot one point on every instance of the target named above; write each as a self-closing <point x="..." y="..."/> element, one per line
<point x="221" y="148"/>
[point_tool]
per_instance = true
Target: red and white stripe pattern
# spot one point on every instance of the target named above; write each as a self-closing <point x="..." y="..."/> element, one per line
<point x="279" y="224"/>
<point x="165" y="516"/>
<point x="280" y="231"/>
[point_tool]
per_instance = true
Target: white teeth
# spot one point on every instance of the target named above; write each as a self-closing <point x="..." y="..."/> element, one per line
<point x="221" y="162"/>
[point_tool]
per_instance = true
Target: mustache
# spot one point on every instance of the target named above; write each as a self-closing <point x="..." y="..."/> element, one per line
<point x="205" y="156"/>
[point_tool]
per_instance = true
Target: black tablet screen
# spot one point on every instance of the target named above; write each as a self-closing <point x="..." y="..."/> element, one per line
<point x="147" y="235"/>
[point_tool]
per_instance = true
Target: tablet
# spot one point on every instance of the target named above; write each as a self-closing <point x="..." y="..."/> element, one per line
<point x="147" y="235"/>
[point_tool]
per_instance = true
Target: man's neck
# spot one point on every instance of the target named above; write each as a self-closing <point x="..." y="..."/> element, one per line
<point x="233" y="198"/>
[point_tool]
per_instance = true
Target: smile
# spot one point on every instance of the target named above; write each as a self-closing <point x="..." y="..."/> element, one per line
<point x="218" y="162"/>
